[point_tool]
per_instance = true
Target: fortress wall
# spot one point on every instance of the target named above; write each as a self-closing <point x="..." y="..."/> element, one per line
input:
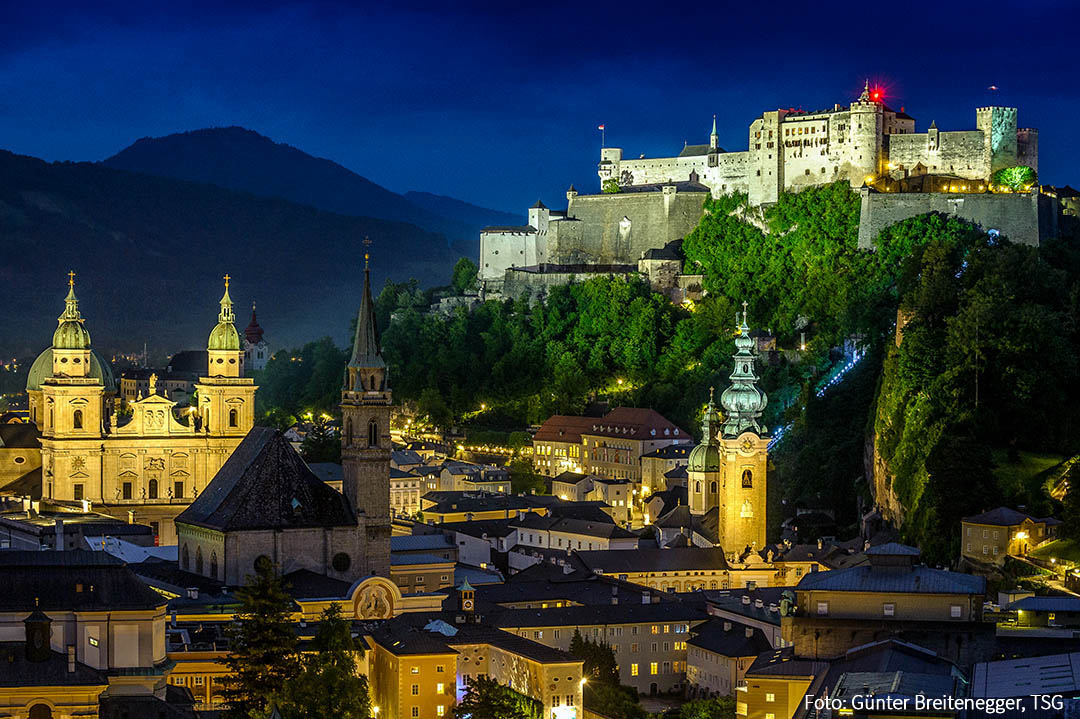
<point x="600" y="236"/>
<point x="534" y="285"/>
<point x="660" y="169"/>
<point x="730" y="175"/>
<point x="1019" y="217"/>
<point x="499" y="251"/>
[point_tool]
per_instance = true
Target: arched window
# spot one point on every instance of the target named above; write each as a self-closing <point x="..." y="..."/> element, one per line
<point x="50" y="417"/>
<point x="41" y="711"/>
<point x="213" y="564"/>
<point x="348" y="431"/>
<point x="76" y="419"/>
<point x="697" y="487"/>
<point x="373" y="434"/>
<point x="151" y="489"/>
<point x="232" y="417"/>
<point x="373" y="387"/>
<point x="747" y="479"/>
<point x="198" y="560"/>
<point x="185" y="558"/>
<point x="712" y="487"/>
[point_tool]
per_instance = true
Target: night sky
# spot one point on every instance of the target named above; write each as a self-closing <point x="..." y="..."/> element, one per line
<point x="498" y="107"/>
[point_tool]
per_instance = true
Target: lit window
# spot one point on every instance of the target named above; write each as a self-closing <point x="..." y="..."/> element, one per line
<point x="440" y="710"/>
<point x="652" y="668"/>
<point x="439" y="688"/>
<point x="634" y="669"/>
<point x="888" y="610"/>
<point x="770" y="697"/>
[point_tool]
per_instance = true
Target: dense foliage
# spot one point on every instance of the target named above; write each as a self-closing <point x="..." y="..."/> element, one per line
<point x="1017" y="178"/>
<point x="715" y="708"/>
<point x="987" y="360"/>
<point x="602" y="692"/>
<point x="328" y="684"/>
<point x="485" y="698"/>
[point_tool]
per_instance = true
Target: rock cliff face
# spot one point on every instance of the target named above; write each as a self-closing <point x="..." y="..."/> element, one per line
<point x="879" y="477"/>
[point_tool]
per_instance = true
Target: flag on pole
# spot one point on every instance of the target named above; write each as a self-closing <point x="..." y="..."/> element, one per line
<point x="992" y="87"/>
<point x="601" y="127"/>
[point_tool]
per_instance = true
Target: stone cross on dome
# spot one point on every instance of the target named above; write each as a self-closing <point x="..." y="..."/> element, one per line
<point x="71" y="278"/>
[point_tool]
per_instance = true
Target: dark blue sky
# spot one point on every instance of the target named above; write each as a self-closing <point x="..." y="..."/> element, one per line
<point x="498" y="107"/>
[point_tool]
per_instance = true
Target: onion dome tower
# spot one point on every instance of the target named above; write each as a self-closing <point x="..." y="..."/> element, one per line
<point x="226" y="397"/>
<point x="743" y="401"/>
<point x="704" y="464"/>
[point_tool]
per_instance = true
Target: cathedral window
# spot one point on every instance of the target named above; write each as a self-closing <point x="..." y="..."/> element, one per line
<point x="373" y="434"/>
<point x="697" y="487"/>
<point x="76" y="419"/>
<point x="178" y="489"/>
<point x="198" y="560"/>
<point x="185" y="558"/>
<point x="232" y="417"/>
<point x="712" y="487"/>
<point x="127" y="490"/>
<point x="373" y="387"/>
<point x="348" y="431"/>
<point x="152" y="489"/>
<point x="747" y="479"/>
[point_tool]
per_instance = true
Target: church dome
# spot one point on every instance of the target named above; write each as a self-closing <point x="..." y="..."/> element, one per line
<point x="704" y="458"/>
<point x="743" y="398"/>
<point x="43" y="367"/>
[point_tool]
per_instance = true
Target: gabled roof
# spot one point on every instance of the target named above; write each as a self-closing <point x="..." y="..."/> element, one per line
<point x="615" y="561"/>
<point x="1000" y="517"/>
<point x="74" y="580"/>
<point x="563" y="428"/>
<point x="636" y="423"/>
<point x="917" y="580"/>
<point x="53" y="672"/>
<point x="266" y="485"/>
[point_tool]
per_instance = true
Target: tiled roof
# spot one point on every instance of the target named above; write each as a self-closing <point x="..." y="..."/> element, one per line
<point x="563" y="428"/>
<point x="636" y="423"/>
<point x="1000" y="517"/>
<point x="601" y="614"/>
<point x="671" y="451"/>
<point x="731" y="641"/>
<point x="892" y="549"/>
<point x="75" y="580"/>
<point x="917" y="580"/>
<point x="266" y="485"/>
<point x="18" y="671"/>
<point x="1046" y="604"/>
<point x="569" y="525"/>
<point x="498" y="229"/>
<point x="614" y="561"/>
<point x="420" y="542"/>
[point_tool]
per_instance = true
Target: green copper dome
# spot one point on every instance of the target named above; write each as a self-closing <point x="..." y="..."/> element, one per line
<point x="743" y="402"/>
<point x="224" y="336"/>
<point x="706" y="456"/>
<point x="43" y="367"/>
<point x="71" y="332"/>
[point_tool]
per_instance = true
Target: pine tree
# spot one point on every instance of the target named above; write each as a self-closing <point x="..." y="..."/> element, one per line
<point x="329" y="684"/>
<point x="321" y="444"/>
<point x="262" y="656"/>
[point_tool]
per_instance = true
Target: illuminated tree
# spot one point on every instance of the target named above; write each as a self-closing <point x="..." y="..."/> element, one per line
<point x="485" y="698"/>
<point x="1017" y="179"/>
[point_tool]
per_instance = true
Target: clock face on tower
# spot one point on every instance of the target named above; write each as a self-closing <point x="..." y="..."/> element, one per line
<point x="466" y="604"/>
<point x="748" y="444"/>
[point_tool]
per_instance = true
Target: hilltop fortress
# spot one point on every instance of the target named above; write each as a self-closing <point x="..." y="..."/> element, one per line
<point x="649" y="204"/>
<point x="863" y="143"/>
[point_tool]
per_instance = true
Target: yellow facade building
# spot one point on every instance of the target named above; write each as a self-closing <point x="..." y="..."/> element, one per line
<point x="149" y="467"/>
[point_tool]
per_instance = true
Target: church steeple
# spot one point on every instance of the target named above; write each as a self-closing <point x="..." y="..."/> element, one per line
<point x="714" y="140"/>
<point x="224" y="336"/>
<point x="366" y="371"/>
<point x="743" y="401"/>
<point x="365" y="437"/>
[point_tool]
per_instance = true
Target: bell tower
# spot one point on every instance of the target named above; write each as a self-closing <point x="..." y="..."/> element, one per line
<point x="365" y="421"/>
<point x="226" y="397"/>
<point x="744" y="445"/>
<point x="73" y="401"/>
<point x="703" y="465"/>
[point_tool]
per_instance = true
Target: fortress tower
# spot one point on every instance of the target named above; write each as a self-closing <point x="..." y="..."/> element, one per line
<point x="365" y="439"/>
<point x="864" y="155"/>
<point x="998" y="126"/>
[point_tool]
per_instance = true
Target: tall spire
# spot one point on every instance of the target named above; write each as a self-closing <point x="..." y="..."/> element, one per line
<point x="226" y="313"/>
<point x="254" y="332"/>
<point x="713" y="125"/>
<point x="743" y="402"/>
<point x="366" y="353"/>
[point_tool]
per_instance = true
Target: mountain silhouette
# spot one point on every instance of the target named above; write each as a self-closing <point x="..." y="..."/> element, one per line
<point x="240" y="159"/>
<point x="150" y="252"/>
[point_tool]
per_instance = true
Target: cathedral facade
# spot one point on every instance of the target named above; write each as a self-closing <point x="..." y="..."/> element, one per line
<point x="147" y="467"/>
<point x="727" y="473"/>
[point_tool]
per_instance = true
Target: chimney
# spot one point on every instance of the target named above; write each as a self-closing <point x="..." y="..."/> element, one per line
<point x="749" y="632"/>
<point x="746" y="599"/>
<point x="758" y="604"/>
<point x="646" y="599"/>
<point x="820" y="543"/>
<point x="71" y="658"/>
<point x="58" y="538"/>
<point x="192" y="592"/>
<point x="727" y="626"/>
